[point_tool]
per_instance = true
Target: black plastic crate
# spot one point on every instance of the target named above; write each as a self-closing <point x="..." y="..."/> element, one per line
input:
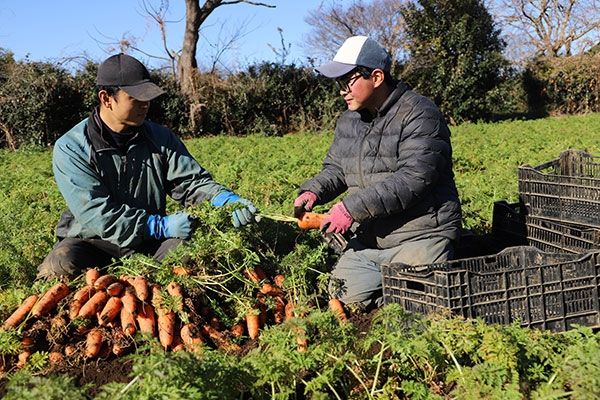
<point x="511" y="224"/>
<point x="566" y="189"/>
<point x="541" y="290"/>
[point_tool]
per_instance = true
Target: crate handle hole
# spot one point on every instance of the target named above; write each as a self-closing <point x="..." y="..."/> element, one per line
<point x="415" y="286"/>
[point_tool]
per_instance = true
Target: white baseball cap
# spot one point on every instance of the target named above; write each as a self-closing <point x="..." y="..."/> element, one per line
<point x="356" y="51"/>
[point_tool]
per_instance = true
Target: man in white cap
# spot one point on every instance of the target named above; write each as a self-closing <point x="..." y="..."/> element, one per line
<point x="391" y="154"/>
<point x="115" y="169"/>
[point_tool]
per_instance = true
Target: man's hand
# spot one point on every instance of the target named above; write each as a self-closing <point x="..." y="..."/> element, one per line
<point x="305" y="201"/>
<point x="240" y="216"/>
<point x="179" y="225"/>
<point x="338" y="219"/>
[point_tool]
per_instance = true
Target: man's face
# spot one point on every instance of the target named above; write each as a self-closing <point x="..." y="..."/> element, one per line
<point x="123" y="111"/>
<point x="356" y="90"/>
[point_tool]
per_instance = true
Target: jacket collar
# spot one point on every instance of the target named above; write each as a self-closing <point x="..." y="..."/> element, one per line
<point x="392" y="99"/>
<point x="100" y="136"/>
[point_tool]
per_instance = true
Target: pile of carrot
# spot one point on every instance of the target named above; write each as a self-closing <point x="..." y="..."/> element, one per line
<point x="103" y="316"/>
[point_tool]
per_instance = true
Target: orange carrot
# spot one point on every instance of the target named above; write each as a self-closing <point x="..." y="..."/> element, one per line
<point x="55" y="357"/>
<point x="93" y="343"/>
<point x="79" y="299"/>
<point x="177" y="345"/>
<point x="279" y="310"/>
<point x="255" y="274"/>
<point x="115" y="289"/>
<point x="50" y="299"/>
<point x="253" y="324"/>
<point x="70" y="349"/>
<point x="219" y="339"/>
<point x="278" y="280"/>
<point x="27" y="343"/>
<point x="128" y="322"/>
<point x="20" y="313"/>
<point x="181" y="271"/>
<point x="191" y="337"/>
<point x="140" y="285"/>
<point x="91" y="275"/>
<point x="104" y="281"/>
<point x="337" y="307"/>
<point x="130" y="302"/>
<point x="166" y="327"/>
<point x="270" y="290"/>
<point x="22" y="359"/>
<point x="311" y="220"/>
<point x="174" y="289"/>
<point x="94" y="305"/>
<point x="120" y="343"/>
<point x="110" y="311"/>
<point x="146" y="319"/>
<point x="238" y="330"/>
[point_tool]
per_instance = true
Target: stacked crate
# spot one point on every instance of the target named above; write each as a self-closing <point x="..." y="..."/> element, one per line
<point x="553" y="283"/>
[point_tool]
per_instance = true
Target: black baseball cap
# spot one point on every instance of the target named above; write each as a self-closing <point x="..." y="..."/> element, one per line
<point x="130" y="75"/>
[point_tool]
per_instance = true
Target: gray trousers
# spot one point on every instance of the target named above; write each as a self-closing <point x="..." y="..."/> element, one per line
<point x="72" y="256"/>
<point x="356" y="277"/>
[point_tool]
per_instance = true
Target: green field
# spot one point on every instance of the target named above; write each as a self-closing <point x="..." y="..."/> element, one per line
<point x="399" y="357"/>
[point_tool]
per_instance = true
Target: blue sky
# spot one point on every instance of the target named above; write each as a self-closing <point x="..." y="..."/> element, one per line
<point x="51" y="30"/>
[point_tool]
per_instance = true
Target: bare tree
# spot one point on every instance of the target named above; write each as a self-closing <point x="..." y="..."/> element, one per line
<point x="333" y="22"/>
<point x="550" y="27"/>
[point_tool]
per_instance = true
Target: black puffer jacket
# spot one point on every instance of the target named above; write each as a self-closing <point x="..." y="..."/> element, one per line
<point x="397" y="169"/>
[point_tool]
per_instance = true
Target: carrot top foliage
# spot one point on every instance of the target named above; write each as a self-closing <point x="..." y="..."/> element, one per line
<point x="397" y="356"/>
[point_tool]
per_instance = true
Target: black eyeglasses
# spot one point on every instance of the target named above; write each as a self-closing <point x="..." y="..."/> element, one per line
<point x="346" y="83"/>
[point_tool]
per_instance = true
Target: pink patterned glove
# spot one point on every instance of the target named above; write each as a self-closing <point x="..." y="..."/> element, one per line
<point x="339" y="219"/>
<point x="306" y="201"/>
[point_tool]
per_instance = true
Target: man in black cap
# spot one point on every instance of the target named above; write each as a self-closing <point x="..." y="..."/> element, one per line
<point x="115" y="169"/>
<point x="391" y="153"/>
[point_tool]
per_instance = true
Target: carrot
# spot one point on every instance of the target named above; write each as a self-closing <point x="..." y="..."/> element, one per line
<point x="93" y="343"/>
<point x="79" y="299"/>
<point x="279" y="310"/>
<point x="289" y="310"/>
<point x="337" y="307"/>
<point x="110" y="311"/>
<point x="55" y="357"/>
<point x="174" y="289"/>
<point x="146" y="319"/>
<point x="94" y="305"/>
<point x="301" y="340"/>
<point x="104" y="281"/>
<point x="219" y="339"/>
<point x="311" y="220"/>
<point x="191" y="337"/>
<point x="115" y="289"/>
<point x="22" y="358"/>
<point x="253" y="324"/>
<point x="278" y="280"/>
<point x="238" y="330"/>
<point x="129" y="302"/>
<point x="166" y="327"/>
<point x="20" y="313"/>
<point x="140" y="285"/>
<point x="50" y="299"/>
<point x="121" y="343"/>
<point x="255" y="274"/>
<point x="181" y="271"/>
<point x="270" y="290"/>
<point x="128" y="322"/>
<point x="27" y="343"/>
<point x="177" y="345"/>
<point x="91" y="275"/>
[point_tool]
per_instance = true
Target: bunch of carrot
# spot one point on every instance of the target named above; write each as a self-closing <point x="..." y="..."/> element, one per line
<point x="107" y="311"/>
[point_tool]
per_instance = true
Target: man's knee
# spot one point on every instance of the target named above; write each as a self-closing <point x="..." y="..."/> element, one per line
<point x="70" y="257"/>
<point x="59" y="262"/>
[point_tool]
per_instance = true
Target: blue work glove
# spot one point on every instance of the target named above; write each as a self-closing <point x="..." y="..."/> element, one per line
<point x="241" y="216"/>
<point x="179" y="225"/>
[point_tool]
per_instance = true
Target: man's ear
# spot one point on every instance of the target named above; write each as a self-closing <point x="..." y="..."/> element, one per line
<point x="378" y="77"/>
<point x="105" y="99"/>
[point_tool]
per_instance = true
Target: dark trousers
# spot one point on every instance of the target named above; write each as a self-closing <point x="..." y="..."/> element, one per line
<point x="72" y="256"/>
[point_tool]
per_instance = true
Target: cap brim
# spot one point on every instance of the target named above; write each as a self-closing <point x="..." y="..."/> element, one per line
<point x="335" y="69"/>
<point x="143" y="92"/>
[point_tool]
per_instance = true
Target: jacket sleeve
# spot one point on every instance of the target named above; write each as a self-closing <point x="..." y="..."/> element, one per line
<point x="330" y="182"/>
<point x="188" y="183"/>
<point x="423" y="152"/>
<point x="89" y="200"/>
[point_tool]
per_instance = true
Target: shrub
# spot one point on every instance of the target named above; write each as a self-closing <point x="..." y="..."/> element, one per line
<point x="565" y="85"/>
<point x="38" y="103"/>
